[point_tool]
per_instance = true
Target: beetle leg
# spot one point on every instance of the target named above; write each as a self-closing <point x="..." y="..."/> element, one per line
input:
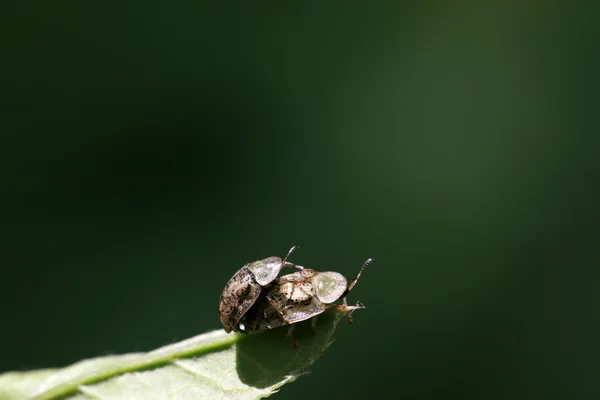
<point x="290" y="265"/>
<point x="280" y="312"/>
<point x="349" y="314"/>
<point x="345" y="307"/>
<point x="313" y="324"/>
<point x="348" y="309"/>
<point x="350" y="320"/>
<point x="290" y="335"/>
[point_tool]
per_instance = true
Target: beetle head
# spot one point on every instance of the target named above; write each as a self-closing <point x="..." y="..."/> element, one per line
<point x="265" y="271"/>
<point x="330" y="286"/>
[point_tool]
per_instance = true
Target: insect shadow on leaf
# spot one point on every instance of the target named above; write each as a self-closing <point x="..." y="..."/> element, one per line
<point x="266" y="359"/>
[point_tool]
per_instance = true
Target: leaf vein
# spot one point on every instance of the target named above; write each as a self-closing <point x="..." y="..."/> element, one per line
<point x="88" y="391"/>
<point x="199" y="374"/>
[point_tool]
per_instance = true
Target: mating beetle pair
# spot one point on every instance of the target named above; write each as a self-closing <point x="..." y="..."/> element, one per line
<point x="254" y="300"/>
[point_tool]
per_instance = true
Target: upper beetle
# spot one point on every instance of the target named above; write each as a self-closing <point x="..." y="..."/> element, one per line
<point x="297" y="297"/>
<point x="245" y="287"/>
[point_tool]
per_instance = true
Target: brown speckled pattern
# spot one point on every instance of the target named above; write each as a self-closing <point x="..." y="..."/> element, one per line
<point x="249" y="308"/>
<point x="237" y="298"/>
<point x="261" y="317"/>
<point x="290" y="299"/>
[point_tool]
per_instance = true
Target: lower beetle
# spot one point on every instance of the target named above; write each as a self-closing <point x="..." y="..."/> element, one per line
<point x="297" y="297"/>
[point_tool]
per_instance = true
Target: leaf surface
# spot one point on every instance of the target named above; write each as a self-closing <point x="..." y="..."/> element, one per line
<point x="214" y="365"/>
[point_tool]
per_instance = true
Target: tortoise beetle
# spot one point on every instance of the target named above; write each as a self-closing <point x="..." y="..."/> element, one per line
<point x="297" y="297"/>
<point x="245" y="287"/>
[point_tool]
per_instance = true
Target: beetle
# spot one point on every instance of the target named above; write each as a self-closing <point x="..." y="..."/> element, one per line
<point x="297" y="297"/>
<point x="244" y="288"/>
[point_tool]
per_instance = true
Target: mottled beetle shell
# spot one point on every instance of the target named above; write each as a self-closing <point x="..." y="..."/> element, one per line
<point x="293" y="298"/>
<point x="244" y="288"/>
<point x="260" y="317"/>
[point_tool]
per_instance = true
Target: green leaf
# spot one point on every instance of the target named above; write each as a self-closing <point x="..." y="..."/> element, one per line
<point x="213" y="365"/>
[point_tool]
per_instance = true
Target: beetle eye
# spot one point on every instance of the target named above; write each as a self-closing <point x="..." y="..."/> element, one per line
<point x="330" y="286"/>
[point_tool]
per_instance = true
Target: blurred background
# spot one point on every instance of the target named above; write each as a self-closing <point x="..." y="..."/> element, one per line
<point x="148" y="150"/>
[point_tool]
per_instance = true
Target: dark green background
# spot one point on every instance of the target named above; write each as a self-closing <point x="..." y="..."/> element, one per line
<point x="149" y="149"/>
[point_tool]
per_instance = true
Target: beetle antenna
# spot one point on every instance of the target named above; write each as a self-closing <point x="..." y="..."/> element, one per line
<point x="290" y="253"/>
<point x="359" y="273"/>
<point x="286" y="263"/>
